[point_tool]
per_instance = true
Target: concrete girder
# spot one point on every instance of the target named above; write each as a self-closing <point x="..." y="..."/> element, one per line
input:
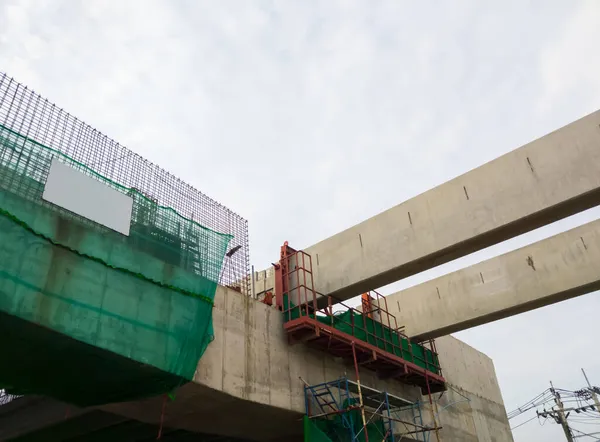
<point x="552" y="270"/>
<point x="248" y="386"/>
<point x="546" y="180"/>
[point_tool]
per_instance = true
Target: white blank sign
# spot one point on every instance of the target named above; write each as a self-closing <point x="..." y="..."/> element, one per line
<point x="73" y="190"/>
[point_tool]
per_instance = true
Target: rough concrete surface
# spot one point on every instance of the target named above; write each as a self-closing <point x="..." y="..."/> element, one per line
<point x="472" y="410"/>
<point x="29" y="414"/>
<point x="251" y="361"/>
<point x="248" y="383"/>
<point x="546" y="180"/>
<point x="552" y="270"/>
<point x="250" y="374"/>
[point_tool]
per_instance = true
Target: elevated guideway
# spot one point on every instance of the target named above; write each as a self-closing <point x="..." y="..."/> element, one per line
<point x="550" y="178"/>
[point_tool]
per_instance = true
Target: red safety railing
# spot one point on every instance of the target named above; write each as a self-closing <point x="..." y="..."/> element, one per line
<point x="294" y="284"/>
<point x="374" y="325"/>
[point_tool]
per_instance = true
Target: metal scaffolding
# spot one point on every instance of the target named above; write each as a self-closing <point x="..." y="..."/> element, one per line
<point x="373" y="339"/>
<point x="343" y="409"/>
<point x="337" y="408"/>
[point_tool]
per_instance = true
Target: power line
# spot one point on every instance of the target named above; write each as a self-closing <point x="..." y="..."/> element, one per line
<point x="540" y="399"/>
<point x="527" y="421"/>
<point x="564" y="407"/>
<point x="582" y="434"/>
<point x="560" y="416"/>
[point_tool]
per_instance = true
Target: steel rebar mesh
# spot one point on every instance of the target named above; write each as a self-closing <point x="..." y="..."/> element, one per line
<point x="26" y="118"/>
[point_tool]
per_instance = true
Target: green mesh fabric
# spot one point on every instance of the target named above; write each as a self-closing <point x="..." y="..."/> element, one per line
<point x="344" y="428"/>
<point x="88" y="315"/>
<point x="384" y="338"/>
<point x="375" y="334"/>
<point x="375" y="428"/>
<point x="312" y="432"/>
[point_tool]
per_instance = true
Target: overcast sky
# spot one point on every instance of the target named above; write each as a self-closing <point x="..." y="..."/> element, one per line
<point x="357" y="105"/>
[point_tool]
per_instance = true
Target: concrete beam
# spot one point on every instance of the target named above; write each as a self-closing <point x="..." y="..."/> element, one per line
<point x="32" y="413"/>
<point x="248" y="386"/>
<point x="546" y="272"/>
<point x="548" y="179"/>
<point x="250" y="374"/>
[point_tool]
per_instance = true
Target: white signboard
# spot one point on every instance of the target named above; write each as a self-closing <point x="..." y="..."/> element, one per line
<point x="73" y="190"/>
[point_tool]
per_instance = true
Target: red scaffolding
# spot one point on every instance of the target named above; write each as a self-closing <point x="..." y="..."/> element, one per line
<point x="381" y="352"/>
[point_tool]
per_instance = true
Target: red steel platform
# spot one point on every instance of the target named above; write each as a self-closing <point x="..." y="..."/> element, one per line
<point x="297" y="299"/>
<point x="387" y="365"/>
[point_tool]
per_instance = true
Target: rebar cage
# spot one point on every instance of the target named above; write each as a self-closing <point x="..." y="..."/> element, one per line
<point x="24" y="112"/>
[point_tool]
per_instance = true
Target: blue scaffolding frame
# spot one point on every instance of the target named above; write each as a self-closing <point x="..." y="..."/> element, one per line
<point x="340" y="396"/>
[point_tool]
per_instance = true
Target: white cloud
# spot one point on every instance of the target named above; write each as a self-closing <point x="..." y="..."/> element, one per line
<point x="570" y="67"/>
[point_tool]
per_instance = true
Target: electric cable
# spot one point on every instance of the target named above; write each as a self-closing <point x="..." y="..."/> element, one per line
<point x="521" y="424"/>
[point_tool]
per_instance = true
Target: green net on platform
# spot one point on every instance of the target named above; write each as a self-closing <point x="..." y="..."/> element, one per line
<point x="344" y="427"/>
<point x="312" y="432"/>
<point x="375" y="333"/>
<point x="88" y="315"/>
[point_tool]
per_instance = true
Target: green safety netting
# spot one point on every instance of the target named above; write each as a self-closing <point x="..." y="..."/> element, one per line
<point x="344" y="427"/>
<point x="88" y="315"/>
<point x="312" y="432"/>
<point x="372" y="331"/>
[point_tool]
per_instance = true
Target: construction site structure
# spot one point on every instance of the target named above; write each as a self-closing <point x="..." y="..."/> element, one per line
<point x="345" y="410"/>
<point x="370" y="338"/>
<point x="108" y="264"/>
<point x="131" y="304"/>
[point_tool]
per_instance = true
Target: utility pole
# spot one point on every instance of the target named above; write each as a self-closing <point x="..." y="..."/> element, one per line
<point x="562" y="419"/>
<point x="592" y="391"/>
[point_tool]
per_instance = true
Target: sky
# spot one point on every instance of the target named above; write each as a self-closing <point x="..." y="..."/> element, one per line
<point x="307" y="117"/>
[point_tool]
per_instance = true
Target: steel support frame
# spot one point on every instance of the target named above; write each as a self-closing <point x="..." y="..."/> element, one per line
<point x="328" y="398"/>
<point x="294" y="283"/>
<point x="296" y="298"/>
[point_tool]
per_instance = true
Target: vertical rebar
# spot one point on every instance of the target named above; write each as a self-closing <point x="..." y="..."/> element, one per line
<point x="253" y="287"/>
<point x="390" y="423"/>
<point x="31" y="122"/>
<point x="360" y="398"/>
<point x="435" y="423"/>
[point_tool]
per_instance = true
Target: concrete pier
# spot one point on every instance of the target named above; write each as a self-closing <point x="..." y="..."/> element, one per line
<point x="248" y="385"/>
